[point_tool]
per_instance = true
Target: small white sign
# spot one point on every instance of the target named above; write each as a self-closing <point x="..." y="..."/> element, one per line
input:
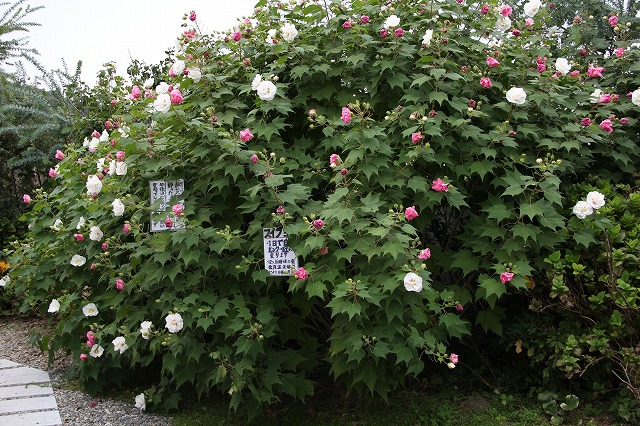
<point x="165" y="191"/>
<point x="279" y="259"/>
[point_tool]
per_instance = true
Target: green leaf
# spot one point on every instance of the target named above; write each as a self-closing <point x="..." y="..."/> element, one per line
<point x="465" y="260"/>
<point x="456" y="326"/>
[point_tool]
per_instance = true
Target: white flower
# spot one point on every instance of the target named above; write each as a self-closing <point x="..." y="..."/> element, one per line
<point x="174" y="323"/>
<point x="93" y="145"/>
<point x="532" y="7"/>
<point x="594" y="98"/>
<point x="582" y="209"/>
<point x="266" y="90"/>
<point x="162" y="102"/>
<point x="195" y="74"/>
<point x="426" y="40"/>
<point x="162" y="88"/>
<point x="118" y="207"/>
<point x="121" y="168"/>
<point x="95" y="233"/>
<point x="90" y="310"/>
<point x="96" y="351"/>
<point x="100" y="165"/>
<point x="451" y="365"/>
<point x="119" y="344"/>
<point x="104" y="137"/>
<point x="54" y="306"/>
<point x="413" y="282"/>
<point x="148" y="83"/>
<point x="289" y="31"/>
<point x="78" y="260"/>
<point x="503" y="23"/>
<point x="94" y="185"/>
<point x="145" y="329"/>
<point x="112" y="167"/>
<point x="271" y="35"/>
<point x="124" y="131"/>
<point x="57" y="225"/>
<point x="595" y="199"/>
<point x="140" y="402"/>
<point x="5" y="280"/>
<point x="392" y="22"/>
<point x="177" y="67"/>
<point x="256" y="82"/>
<point x="85" y="142"/>
<point x="516" y="95"/>
<point x="562" y="66"/>
<point x="635" y="97"/>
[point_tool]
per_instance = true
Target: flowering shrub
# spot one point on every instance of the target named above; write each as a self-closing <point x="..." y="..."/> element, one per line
<point x="417" y="159"/>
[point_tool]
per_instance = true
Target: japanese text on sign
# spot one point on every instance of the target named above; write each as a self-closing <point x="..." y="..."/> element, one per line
<point x="164" y="191"/>
<point x="279" y="259"/>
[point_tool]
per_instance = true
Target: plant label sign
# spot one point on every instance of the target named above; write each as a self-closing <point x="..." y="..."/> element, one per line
<point x="279" y="259"/>
<point x="164" y="192"/>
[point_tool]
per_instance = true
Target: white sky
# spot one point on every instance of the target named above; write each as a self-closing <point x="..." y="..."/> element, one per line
<point x="99" y="31"/>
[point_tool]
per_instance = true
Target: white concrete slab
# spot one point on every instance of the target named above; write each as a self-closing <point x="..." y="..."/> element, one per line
<point x="25" y="390"/>
<point x="5" y="363"/>
<point x="40" y="418"/>
<point x="22" y="375"/>
<point x="18" y="405"/>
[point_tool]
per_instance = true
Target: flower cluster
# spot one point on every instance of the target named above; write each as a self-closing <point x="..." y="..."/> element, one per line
<point x="593" y="202"/>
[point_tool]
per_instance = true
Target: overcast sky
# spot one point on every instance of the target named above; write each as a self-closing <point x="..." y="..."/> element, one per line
<point x="99" y="31"/>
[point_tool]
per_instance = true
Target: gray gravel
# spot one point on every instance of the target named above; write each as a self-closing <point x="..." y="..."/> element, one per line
<point x="75" y="407"/>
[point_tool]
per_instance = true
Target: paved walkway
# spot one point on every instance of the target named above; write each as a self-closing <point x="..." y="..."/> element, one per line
<point x="26" y="396"/>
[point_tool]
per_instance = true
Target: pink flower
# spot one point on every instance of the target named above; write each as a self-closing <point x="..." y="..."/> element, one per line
<point x="178" y="209"/>
<point x="53" y="173"/>
<point x="575" y="73"/>
<point x="90" y="335"/>
<point x="459" y="307"/>
<point x="607" y="126"/>
<point x="516" y="32"/>
<point x="364" y="19"/>
<point x="119" y="284"/>
<point x="613" y="20"/>
<point x="318" y="223"/>
<point x="346" y="25"/>
<point x="246" y="135"/>
<point x="624" y="121"/>
<point x="439" y="186"/>
<point x="424" y="254"/>
<point x="542" y="67"/>
<point x="416" y="137"/>
<point x="105" y="246"/>
<point x="343" y="171"/>
<point x="301" y="274"/>
<point x="492" y="62"/>
<point x="593" y="72"/>
<point x="619" y="52"/>
<point x="120" y="155"/>
<point x="126" y="228"/>
<point x="192" y="16"/>
<point x="484" y="9"/>
<point x="506" y="11"/>
<point x="254" y="158"/>
<point x="168" y="222"/>
<point x="323" y="251"/>
<point x="399" y="32"/>
<point x="505" y="277"/>
<point x="586" y="122"/>
<point x="410" y="213"/>
<point x="78" y="237"/>
<point x="346" y="115"/>
<point x="236" y="35"/>
<point x="453" y="358"/>
<point x="59" y="155"/>
<point x="383" y="33"/>
<point x="486" y="82"/>
<point x="135" y="93"/>
<point x="605" y="98"/>
<point x="176" y="96"/>
<point x="83" y="357"/>
<point x="280" y="210"/>
<point x="528" y="22"/>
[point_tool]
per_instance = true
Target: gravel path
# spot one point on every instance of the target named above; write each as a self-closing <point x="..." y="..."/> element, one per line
<point x="75" y="407"/>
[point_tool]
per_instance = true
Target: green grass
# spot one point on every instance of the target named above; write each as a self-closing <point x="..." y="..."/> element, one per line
<point x="404" y="407"/>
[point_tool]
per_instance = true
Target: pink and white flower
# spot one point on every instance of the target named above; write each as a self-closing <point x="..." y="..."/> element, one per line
<point x="595" y="199"/>
<point x="413" y="282"/>
<point x="174" y="322"/>
<point x="120" y="344"/>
